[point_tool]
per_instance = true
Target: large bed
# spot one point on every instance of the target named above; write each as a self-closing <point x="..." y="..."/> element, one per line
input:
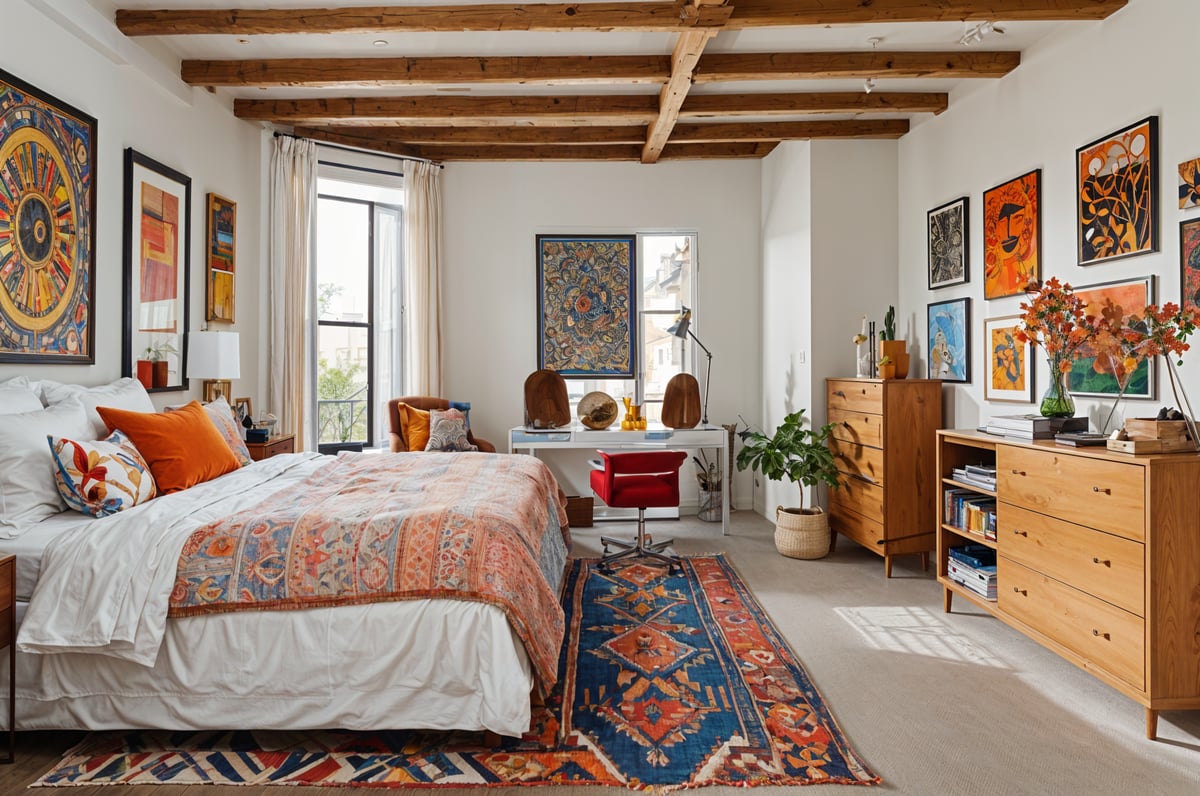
<point x="109" y="640"/>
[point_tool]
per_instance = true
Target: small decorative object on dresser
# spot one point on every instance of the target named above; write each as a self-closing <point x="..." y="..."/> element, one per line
<point x="883" y="442"/>
<point x="284" y="443"/>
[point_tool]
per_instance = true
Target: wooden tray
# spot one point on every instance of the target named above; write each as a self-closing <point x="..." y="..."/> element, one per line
<point x="1142" y="428"/>
<point x="1151" y="445"/>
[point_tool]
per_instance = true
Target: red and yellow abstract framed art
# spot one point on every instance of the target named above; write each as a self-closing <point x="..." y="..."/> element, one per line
<point x="1012" y="235"/>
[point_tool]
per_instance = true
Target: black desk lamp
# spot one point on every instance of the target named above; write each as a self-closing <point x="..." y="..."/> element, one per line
<point x="682" y="329"/>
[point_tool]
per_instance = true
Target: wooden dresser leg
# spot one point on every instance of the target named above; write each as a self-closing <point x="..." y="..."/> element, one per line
<point x="924" y="562"/>
<point x="832" y="541"/>
<point x="887" y="565"/>
<point x="947" y="599"/>
<point x="1151" y="724"/>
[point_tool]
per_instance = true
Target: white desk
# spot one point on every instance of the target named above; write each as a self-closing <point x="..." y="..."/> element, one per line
<point x="577" y="436"/>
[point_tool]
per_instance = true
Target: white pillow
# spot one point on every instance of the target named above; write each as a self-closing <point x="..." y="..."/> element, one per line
<point x="18" y="395"/>
<point x="124" y="393"/>
<point x="28" y="493"/>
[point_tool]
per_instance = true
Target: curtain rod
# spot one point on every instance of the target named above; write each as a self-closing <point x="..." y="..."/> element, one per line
<point x="344" y="148"/>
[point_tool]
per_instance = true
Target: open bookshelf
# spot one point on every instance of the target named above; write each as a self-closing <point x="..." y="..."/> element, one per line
<point x="957" y="453"/>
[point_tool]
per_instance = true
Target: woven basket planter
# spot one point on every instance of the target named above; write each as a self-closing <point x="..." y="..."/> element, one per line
<point x="801" y="533"/>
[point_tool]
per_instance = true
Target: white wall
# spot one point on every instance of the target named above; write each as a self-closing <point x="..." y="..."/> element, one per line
<point x="199" y="137"/>
<point x="494" y="211"/>
<point x="1084" y="83"/>
<point x="829" y="247"/>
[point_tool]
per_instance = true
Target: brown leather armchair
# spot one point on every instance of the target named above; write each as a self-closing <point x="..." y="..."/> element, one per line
<point x="399" y="434"/>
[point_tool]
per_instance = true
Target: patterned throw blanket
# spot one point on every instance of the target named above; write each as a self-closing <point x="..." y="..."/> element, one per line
<point x="371" y="528"/>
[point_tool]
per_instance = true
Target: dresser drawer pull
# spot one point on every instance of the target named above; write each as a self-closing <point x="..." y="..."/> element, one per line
<point x="1098" y="634"/>
<point x="866" y="478"/>
<point x="846" y="423"/>
<point x="1020" y="533"/>
<point x="1106" y="562"/>
<point x="839" y="393"/>
<point x="1018" y="472"/>
<point x="1020" y="591"/>
<point x="1102" y="489"/>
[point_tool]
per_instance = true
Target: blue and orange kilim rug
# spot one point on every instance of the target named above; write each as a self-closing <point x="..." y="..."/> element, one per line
<point x="666" y="680"/>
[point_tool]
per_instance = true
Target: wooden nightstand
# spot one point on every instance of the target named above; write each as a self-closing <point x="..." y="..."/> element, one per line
<point x="8" y="637"/>
<point x="284" y="443"/>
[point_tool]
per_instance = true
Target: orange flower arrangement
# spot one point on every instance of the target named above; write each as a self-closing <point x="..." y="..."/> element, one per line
<point x="1055" y="319"/>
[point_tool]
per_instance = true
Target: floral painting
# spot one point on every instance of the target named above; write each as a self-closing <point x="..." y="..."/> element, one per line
<point x="1012" y="235"/>
<point x="1189" y="264"/>
<point x="949" y="352"/>
<point x="1088" y="377"/>
<point x="1117" y="181"/>
<point x="1010" y="377"/>
<point x="586" y="307"/>
<point x="1189" y="184"/>
<point x="948" y="245"/>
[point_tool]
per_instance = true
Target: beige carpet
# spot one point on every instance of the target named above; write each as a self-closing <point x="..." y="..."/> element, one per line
<point x="955" y="704"/>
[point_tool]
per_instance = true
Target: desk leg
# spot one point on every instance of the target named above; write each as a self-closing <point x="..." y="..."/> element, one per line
<point x="726" y="487"/>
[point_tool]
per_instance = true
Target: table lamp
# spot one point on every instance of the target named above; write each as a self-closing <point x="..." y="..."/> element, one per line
<point x="216" y="358"/>
<point x="682" y="329"/>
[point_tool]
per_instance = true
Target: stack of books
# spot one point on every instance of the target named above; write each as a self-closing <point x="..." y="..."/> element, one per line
<point x="980" y="475"/>
<point x="970" y="511"/>
<point x="974" y="567"/>
<point x="1034" y="426"/>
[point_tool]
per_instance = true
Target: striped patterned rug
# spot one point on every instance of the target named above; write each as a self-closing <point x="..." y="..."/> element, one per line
<point x="667" y="680"/>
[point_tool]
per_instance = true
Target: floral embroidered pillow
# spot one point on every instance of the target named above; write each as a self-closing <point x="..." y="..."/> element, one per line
<point x="102" y="477"/>
<point x="448" y="431"/>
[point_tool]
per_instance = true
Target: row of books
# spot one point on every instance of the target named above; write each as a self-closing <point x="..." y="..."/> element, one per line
<point x="974" y="567"/>
<point x="970" y="511"/>
<point x="980" y="475"/>
<point x="1034" y="426"/>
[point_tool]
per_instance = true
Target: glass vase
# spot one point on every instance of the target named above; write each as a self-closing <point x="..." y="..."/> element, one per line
<point x="1057" y="400"/>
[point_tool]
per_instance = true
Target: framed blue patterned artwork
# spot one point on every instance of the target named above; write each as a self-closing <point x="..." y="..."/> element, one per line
<point x="586" y="305"/>
<point x="47" y="227"/>
<point x="949" y="352"/>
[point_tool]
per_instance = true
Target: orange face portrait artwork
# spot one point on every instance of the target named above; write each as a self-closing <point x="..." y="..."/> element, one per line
<point x="1012" y="235"/>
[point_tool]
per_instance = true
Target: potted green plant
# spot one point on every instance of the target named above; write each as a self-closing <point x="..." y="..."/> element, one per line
<point x="800" y="455"/>
<point x="152" y="367"/>
<point x="891" y="348"/>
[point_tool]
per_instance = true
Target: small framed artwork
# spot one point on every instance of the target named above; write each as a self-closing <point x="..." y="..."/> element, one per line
<point x="242" y="410"/>
<point x="1085" y="377"/>
<point x="1189" y="264"/>
<point x="157" y="245"/>
<point x="1189" y="184"/>
<point x="1117" y="185"/>
<point x="586" y="305"/>
<point x="47" y="228"/>
<point x="1010" y="377"/>
<point x="1012" y="235"/>
<point x="948" y="244"/>
<point x="222" y="246"/>
<point x="949" y="351"/>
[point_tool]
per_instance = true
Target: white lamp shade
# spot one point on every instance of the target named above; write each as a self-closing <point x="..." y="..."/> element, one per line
<point x="214" y="355"/>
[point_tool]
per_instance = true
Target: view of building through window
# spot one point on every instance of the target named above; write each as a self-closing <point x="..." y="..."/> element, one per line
<point x="358" y="259"/>
<point x="667" y="277"/>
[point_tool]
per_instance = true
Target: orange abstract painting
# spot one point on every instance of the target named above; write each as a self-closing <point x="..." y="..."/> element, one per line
<point x="1012" y="235"/>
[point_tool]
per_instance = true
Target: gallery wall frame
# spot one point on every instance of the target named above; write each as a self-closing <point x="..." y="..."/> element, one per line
<point x="948" y="243"/>
<point x="47" y="227"/>
<point x="157" y="259"/>
<point x="1084" y="380"/>
<point x="1116" y="179"/>
<point x="1189" y="184"/>
<point x="1010" y="373"/>
<point x="948" y="347"/>
<point x="220" y="258"/>
<point x="1189" y="264"/>
<point x="587" y="308"/>
<point x="1012" y="235"/>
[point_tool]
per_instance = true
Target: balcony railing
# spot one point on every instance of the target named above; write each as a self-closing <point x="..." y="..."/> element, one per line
<point x="343" y="419"/>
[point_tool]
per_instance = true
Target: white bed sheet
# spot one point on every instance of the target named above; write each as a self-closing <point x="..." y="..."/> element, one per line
<point x="29" y="546"/>
<point x="438" y="664"/>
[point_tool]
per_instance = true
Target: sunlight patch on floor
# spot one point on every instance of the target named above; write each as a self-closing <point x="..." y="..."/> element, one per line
<point x="899" y="628"/>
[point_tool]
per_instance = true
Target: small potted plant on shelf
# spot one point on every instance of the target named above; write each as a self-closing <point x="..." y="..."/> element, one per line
<point x="152" y="367"/>
<point x="800" y="455"/>
<point x="891" y="349"/>
<point x="886" y="367"/>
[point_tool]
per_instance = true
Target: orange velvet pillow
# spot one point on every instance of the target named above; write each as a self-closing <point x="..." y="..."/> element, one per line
<point x="183" y="448"/>
<point x="415" y="424"/>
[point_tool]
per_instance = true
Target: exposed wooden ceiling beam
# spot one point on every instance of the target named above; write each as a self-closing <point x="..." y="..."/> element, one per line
<point x="718" y="67"/>
<point x="788" y="131"/>
<point x="684" y="58"/>
<point x="599" y="152"/>
<point x="618" y="134"/>
<point x="651" y="16"/>
<point x="345" y="72"/>
<point x="577" y="111"/>
<point x="703" y="106"/>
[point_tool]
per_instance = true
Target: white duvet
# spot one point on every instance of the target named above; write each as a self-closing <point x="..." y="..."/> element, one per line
<point x="105" y="586"/>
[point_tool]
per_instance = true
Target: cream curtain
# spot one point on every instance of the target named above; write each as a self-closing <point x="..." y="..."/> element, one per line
<point x="293" y="207"/>
<point x="423" y="279"/>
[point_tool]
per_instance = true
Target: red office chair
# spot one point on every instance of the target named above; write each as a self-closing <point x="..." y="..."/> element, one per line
<point x="638" y="480"/>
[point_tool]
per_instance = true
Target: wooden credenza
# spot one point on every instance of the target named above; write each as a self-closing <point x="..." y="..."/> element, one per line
<point x="884" y="442"/>
<point x="1097" y="559"/>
